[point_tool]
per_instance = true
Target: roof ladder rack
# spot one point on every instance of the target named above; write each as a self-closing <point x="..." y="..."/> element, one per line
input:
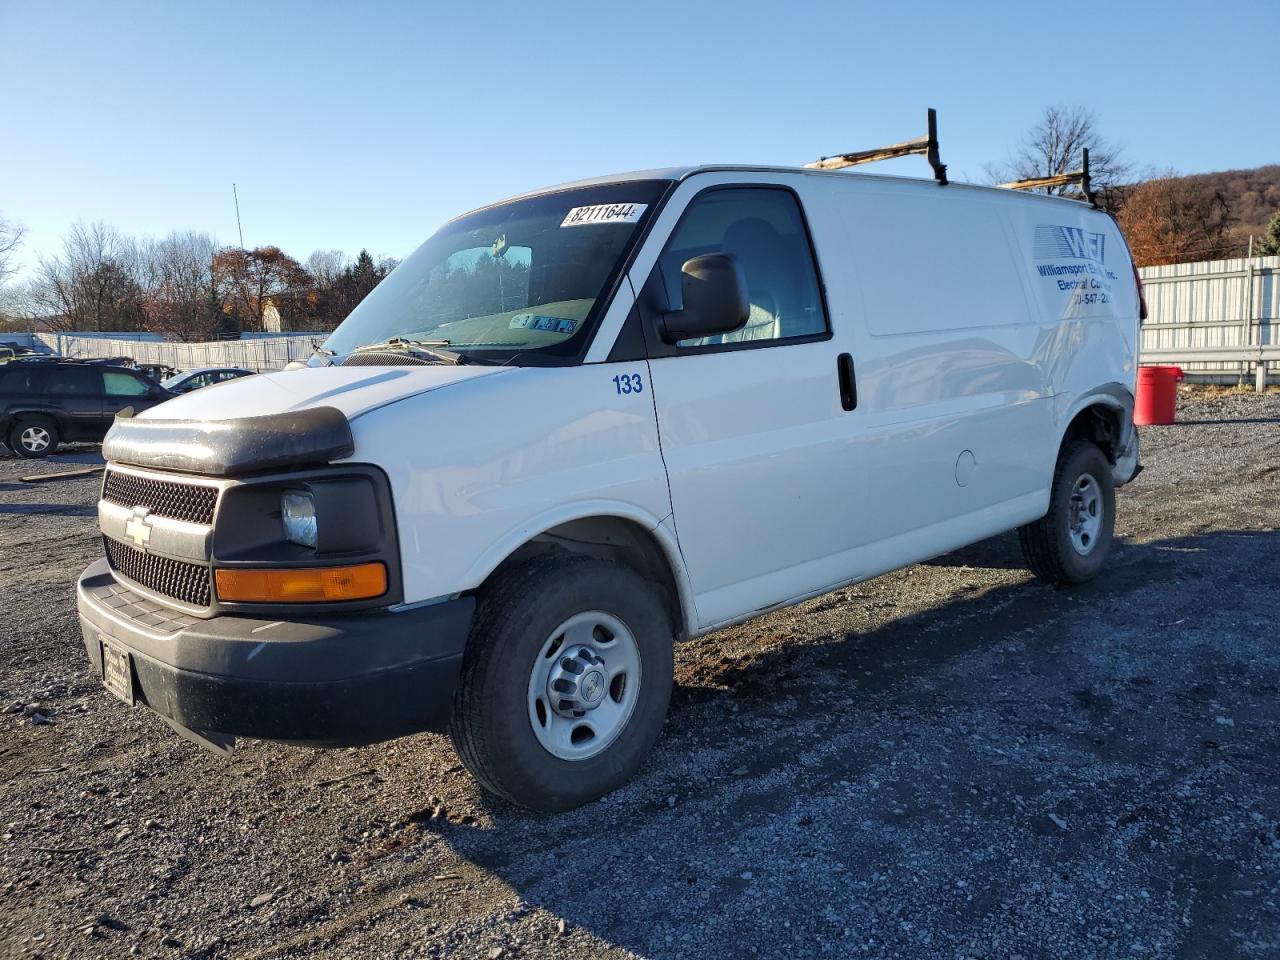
<point x="1080" y="176"/>
<point x="928" y="145"/>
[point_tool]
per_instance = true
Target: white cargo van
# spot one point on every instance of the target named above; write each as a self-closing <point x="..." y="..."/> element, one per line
<point x="578" y="426"/>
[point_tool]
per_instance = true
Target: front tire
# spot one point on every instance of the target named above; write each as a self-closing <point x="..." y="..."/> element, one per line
<point x="1070" y="543"/>
<point x="33" y="439"/>
<point x="565" y="681"/>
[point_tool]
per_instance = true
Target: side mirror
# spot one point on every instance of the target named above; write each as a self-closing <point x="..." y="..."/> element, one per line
<point x="714" y="293"/>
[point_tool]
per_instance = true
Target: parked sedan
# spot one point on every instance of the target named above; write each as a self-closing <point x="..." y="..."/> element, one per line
<point x="204" y="377"/>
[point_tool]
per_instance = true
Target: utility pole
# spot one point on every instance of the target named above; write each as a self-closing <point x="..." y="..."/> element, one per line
<point x="240" y="229"/>
<point x="1260" y="368"/>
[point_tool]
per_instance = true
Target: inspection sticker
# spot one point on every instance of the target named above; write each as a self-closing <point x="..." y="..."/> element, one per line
<point x="604" y="213"/>
<point x="532" y="321"/>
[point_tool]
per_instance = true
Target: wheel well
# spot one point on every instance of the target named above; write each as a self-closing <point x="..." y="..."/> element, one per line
<point x="1100" y="424"/>
<point x="607" y="538"/>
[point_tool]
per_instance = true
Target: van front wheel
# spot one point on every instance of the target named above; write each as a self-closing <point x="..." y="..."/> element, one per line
<point x="1070" y="543"/>
<point x="565" y="681"/>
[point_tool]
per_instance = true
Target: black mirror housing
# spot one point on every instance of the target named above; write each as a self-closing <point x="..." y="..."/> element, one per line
<point x="714" y="292"/>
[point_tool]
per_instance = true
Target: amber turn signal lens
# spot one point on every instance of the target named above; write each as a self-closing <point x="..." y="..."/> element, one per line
<point x="302" y="585"/>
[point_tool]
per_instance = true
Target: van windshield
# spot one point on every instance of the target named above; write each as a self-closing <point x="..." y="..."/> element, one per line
<point x="522" y="279"/>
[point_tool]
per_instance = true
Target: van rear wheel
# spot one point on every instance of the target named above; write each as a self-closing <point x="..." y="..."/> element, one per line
<point x="565" y="681"/>
<point x="1070" y="543"/>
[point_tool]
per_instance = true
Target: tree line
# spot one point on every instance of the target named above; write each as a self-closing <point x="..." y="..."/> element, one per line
<point x="183" y="287"/>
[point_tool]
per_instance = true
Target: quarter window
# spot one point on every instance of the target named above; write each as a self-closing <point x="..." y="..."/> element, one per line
<point x="765" y="230"/>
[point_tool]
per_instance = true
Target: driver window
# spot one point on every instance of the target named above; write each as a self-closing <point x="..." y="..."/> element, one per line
<point x="764" y="228"/>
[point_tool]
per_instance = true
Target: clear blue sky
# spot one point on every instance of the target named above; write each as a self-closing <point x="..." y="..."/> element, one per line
<point x="367" y="124"/>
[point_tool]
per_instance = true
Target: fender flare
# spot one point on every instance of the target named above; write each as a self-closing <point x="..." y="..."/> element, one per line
<point x="1114" y="396"/>
<point x="534" y="527"/>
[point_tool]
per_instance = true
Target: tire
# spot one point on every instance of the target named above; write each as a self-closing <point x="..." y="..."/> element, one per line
<point x="512" y="656"/>
<point x="1071" y="542"/>
<point x="33" y="438"/>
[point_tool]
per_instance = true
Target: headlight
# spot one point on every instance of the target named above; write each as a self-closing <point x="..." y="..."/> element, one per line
<point x="298" y="511"/>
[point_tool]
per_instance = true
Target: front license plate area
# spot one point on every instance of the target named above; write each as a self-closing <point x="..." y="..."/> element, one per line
<point x="117" y="672"/>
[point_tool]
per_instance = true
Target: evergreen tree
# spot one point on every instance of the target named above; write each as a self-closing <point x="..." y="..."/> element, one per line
<point x="1269" y="243"/>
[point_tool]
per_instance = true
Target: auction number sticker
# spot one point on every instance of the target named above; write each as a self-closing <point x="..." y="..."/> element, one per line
<point x="604" y="213"/>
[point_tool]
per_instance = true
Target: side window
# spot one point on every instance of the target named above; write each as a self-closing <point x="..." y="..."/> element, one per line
<point x="765" y="230"/>
<point x="72" y="381"/>
<point x="123" y="384"/>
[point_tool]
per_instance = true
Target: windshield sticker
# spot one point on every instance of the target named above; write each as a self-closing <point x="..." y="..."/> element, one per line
<point x="604" y="213"/>
<point x="533" y="321"/>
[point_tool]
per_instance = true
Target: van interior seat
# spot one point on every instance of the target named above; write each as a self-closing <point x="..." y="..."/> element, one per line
<point x="766" y="261"/>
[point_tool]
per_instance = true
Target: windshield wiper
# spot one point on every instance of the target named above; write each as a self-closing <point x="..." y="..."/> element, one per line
<point x="424" y="347"/>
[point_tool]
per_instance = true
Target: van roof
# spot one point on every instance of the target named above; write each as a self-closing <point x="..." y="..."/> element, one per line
<point x="681" y="173"/>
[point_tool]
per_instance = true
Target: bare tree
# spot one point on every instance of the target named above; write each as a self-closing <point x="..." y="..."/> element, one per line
<point x="11" y="234"/>
<point x="183" y="299"/>
<point x="1054" y="146"/>
<point x="92" y="285"/>
<point x="326" y="267"/>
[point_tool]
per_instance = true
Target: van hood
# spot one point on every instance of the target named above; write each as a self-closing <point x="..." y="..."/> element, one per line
<point x="352" y="390"/>
<point x="271" y="421"/>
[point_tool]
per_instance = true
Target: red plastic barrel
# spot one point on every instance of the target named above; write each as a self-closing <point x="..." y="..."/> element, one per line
<point x="1157" y="395"/>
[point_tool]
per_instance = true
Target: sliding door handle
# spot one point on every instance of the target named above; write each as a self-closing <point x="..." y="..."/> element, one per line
<point x="848" y="385"/>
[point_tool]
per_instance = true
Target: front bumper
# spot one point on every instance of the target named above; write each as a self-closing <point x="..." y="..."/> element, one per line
<point x="337" y="680"/>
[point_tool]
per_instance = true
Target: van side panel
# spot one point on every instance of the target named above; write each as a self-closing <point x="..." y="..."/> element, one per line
<point x="1079" y="277"/>
<point x="957" y="413"/>
<point x="557" y="444"/>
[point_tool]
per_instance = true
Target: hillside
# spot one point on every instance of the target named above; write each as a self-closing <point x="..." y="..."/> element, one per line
<point x="1253" y="198"/>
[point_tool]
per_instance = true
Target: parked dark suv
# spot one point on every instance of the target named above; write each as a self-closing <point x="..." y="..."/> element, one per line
<point x="44" y="404"/>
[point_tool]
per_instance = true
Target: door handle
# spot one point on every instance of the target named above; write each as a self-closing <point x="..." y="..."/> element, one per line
<point x="848" y="385"/>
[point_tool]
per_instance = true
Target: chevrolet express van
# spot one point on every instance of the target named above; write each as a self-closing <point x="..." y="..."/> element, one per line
<point x="578" y="426"/>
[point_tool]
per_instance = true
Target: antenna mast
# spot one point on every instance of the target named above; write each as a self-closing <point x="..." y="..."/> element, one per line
<point x="239" y="229"/>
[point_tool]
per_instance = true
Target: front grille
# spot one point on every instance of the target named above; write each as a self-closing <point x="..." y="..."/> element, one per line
<point x="188" y="582"/>
<point x="192" y="502"/>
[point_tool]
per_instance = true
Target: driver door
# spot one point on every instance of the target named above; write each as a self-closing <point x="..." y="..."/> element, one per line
<point x="754" y="430"/>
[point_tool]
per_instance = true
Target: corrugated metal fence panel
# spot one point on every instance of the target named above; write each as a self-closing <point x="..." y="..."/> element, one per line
<point x="1224" y="304"/>
<point x="257" y="354"/>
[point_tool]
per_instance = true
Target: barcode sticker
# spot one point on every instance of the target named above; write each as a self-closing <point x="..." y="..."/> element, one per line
<point x="604" y="213"/>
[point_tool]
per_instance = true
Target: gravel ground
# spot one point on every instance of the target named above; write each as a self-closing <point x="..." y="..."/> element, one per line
<point x="951" y="761"/>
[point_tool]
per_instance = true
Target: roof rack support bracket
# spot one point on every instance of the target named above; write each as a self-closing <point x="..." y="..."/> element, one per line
<point x="1081" y="176"/>
<point x="927" y="145"/>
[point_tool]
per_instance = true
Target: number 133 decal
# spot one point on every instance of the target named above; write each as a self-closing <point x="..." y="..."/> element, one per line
<point x="628" y="383"/>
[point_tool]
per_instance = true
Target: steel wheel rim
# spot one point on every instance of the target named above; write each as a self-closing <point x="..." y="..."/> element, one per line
<point x="1085" y="514"/>
<point x="34" y="439"/>
<point x="584" y="685"/>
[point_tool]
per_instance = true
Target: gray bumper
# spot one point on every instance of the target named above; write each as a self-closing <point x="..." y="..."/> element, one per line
<point x="342" y="679"/>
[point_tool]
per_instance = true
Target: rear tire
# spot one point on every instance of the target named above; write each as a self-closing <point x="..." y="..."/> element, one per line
<point x="1070" y="543"/>
<point x="34" y="438"/>
<point x="565" y="681"/>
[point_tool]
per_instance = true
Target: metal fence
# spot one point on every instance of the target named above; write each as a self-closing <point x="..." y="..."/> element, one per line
<point x="1214" y="318"/>
<point x="257" y="353"/>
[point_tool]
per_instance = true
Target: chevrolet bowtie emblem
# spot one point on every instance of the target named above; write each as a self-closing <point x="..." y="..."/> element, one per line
<point x="137" y="528"/>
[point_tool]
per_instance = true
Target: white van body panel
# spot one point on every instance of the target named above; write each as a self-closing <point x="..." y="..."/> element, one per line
<point x="966" y="373"/>
<point x="484" y="466"/>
